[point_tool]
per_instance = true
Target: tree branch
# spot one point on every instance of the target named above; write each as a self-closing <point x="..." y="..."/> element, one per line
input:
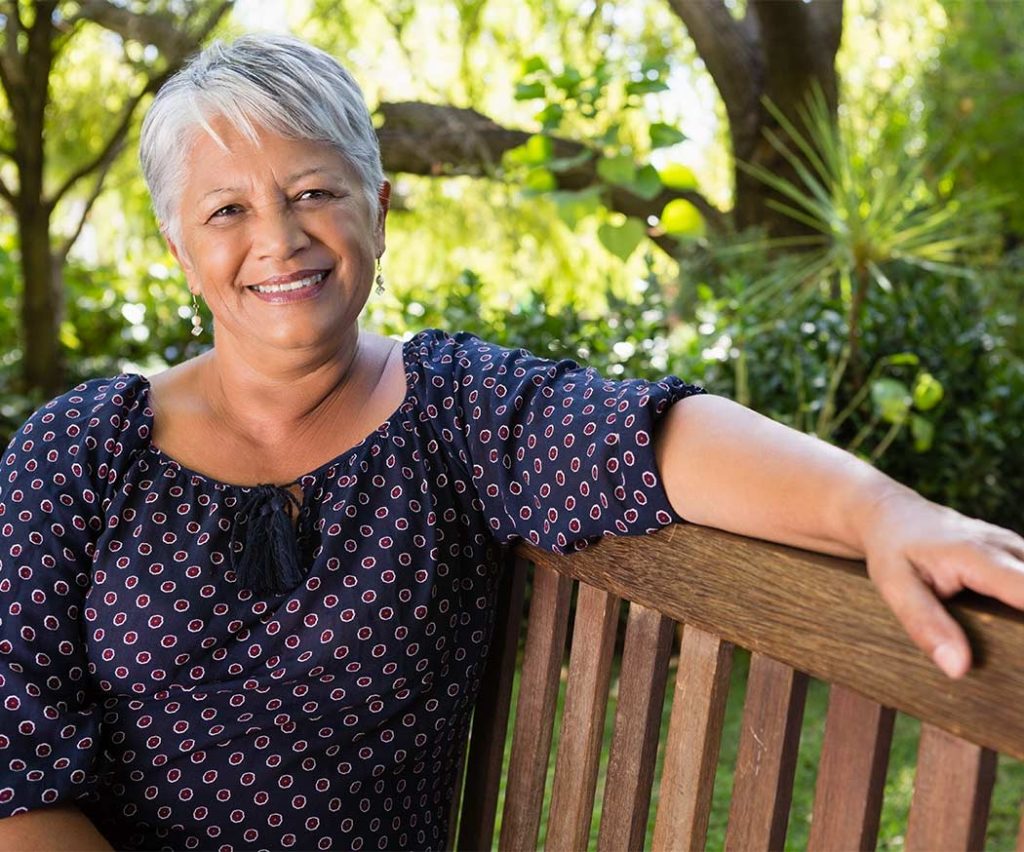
<point x="433" y="140"/>
<point x="173" y="40"/>
<point x="158" y="30"/>
<point x="6" y="194"/>
<point x="9" y="57"/>
<point x="107" y="154"/>
<point x="65" y="247"/>
<point x="730" y="50"/>
<point x="185" y="43"/>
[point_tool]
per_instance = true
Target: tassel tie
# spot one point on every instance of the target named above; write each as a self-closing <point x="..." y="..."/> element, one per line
<point x="268" y="561"/>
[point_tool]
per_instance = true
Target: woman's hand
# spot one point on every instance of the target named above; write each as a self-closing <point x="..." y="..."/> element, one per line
<point x="920" y="553"/>
<point x="727" y="467"/>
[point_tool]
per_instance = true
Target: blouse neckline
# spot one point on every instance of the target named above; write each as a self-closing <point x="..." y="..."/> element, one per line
<point x="355" y="450"/>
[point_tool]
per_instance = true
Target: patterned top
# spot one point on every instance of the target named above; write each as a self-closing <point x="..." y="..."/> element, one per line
<point x="181" y="710"/>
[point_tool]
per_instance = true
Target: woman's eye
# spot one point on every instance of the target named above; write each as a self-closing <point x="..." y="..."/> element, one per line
<point x="313" y="194"/>
<point x="226" y="211"/>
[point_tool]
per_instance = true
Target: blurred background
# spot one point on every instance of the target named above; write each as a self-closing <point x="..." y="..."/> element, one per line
<point x="812" y="207"/>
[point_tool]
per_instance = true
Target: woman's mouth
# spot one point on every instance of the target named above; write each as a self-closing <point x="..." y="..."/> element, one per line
<point x="291" y="291"/>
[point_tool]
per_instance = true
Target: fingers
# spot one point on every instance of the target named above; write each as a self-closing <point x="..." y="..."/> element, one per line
<point x="924" y="618"/>
<point x="998" y="574"/>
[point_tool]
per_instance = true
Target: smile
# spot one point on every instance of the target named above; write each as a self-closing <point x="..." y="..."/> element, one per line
<point x="302" y="283"/>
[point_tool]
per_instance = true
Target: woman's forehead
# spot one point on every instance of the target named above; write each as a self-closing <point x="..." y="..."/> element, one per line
<point x="233" y="156"/>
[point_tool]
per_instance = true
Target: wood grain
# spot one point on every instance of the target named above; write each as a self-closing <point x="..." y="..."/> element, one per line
<point x="694" y="737"/>
<point x="765" y="762"/>
<point x="535" y="709"/>
<point x="851" y="772"/>
<point x="952" y="791"/>
<point x="821" y="615"/>
<point x="586" y="699"/>
<point x="642" y="680"/>
<point x="490" y="716"/>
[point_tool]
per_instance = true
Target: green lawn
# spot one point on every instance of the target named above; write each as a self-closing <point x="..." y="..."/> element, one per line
<point x="899" y="780"/>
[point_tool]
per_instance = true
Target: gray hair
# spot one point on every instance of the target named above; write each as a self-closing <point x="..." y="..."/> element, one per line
<point x="273" y="81"/>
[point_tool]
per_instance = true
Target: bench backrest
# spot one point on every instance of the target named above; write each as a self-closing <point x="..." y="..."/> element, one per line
<point x="705" y="592"/>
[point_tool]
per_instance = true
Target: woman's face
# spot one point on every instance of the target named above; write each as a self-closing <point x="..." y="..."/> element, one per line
<point x="280" y="213"/>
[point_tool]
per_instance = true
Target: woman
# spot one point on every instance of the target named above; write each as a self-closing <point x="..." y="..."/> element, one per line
<point x="247" y="603"/>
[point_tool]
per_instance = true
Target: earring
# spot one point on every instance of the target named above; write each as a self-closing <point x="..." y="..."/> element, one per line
<point x="379" y="279"/>
<point x="197" y="321"/>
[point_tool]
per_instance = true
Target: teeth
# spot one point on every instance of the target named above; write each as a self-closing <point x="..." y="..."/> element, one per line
<point x="294" y="285"/>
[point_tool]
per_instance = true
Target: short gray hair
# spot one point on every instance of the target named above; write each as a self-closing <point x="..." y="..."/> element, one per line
<point x="260" y="80"/>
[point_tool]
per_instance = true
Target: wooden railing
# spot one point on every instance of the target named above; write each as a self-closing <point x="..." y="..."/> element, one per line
<point x="800" y="614"/>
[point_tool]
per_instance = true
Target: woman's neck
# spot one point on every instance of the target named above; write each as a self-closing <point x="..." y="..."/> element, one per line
<point x="268" y="403"/>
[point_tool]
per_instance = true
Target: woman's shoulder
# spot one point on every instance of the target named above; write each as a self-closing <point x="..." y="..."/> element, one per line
<point x="92" y="428"/>
<point x="459" y="351"/>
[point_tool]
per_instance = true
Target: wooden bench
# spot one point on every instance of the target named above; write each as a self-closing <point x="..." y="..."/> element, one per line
<point x="800" y="614"/>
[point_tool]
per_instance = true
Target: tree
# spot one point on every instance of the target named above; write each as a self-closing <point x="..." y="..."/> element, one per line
<point x="35" y="33"/>
<point x="778" y="50"/>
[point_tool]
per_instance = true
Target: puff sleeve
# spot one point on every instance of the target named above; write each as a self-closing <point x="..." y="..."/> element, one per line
<point x="54" y="476"/>
<point x="558" y="454"/>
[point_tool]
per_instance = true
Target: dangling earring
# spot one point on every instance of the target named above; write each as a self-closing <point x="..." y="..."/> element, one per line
<point x="197" y="321"/>
<point x="379" y="279"/>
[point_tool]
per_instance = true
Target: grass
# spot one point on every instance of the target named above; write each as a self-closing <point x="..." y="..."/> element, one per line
<point x="1006" y="800"/>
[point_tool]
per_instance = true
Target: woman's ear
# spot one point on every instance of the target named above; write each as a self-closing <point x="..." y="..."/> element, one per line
<point x="179" y="255"/>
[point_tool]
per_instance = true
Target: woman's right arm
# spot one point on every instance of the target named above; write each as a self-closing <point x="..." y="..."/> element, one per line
<point x="62" y="827"/>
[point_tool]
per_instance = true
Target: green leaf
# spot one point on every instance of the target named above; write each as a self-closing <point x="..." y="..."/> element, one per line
<point x="664" y="135"/>
<point x="532" y="65"/>
<point x="645" y="87"/>
<point x="620" y="170"/>
<point x="622" y="240"/>
<point x="891" y="399"/>
<point x="539" y="180"/>
<point x="928" y="392"/>
<point x="529" y="91"/>
<point x="550" y="116"/>
<point x="681" y="219"/>
<point x="647" y="183"/>
<point x="564" y="164"/>
<point x="569" y="80"/>
<point x="923" y="432"/>
<point x="903" y="359"/>
<point x="574" y="206"/>
<point x="535" y="151"/>
<point x="678" y="176"/>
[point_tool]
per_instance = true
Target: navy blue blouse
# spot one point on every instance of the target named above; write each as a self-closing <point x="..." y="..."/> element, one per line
<point x="180" y="708"/>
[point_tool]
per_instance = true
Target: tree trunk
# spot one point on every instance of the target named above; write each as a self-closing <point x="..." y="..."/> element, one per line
<point x="42" y="305"/>
<point x="778" y="51"/>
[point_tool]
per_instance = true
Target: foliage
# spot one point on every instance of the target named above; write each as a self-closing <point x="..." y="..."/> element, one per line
<point x="868" y="209"/>
<point x="941" y="408"/>
<point x="974" y="86"/>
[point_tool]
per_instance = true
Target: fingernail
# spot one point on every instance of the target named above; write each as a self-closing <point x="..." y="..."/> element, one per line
<point x="947" y="659"/>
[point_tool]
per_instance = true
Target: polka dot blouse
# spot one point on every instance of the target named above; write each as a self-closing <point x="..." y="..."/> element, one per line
<point x="179" y="708"/>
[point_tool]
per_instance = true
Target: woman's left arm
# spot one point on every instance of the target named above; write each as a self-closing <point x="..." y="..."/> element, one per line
<point x="728" y="467"/>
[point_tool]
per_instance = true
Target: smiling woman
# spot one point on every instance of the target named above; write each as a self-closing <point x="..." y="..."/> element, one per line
<point x="247" y="603"/>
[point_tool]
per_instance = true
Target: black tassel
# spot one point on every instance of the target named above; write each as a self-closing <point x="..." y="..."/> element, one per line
<point x="268" y="562"/>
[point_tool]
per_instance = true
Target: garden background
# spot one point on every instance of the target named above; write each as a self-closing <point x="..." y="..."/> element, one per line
<point x="813" y="207"/>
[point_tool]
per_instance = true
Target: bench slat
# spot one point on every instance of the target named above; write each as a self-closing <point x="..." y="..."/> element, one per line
<point x="694" y="736"/>
<point x="490" y="718"/>
<point x="822" y="616"/>
<point x="952" y="791"/>
<point x="535" y="710"/>
<point x="851" y="772"/>
<point x="766" y="760"/>
<point x="627" y="792"/>
<point x="582" y="726"/>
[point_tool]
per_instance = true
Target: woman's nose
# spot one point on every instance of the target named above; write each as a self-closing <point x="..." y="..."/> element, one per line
<point x="279" y="232"/>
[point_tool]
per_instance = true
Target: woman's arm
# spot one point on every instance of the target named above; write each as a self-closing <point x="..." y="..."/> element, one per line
<point x="728" y="467"/>
<point x="63" y="827"/>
